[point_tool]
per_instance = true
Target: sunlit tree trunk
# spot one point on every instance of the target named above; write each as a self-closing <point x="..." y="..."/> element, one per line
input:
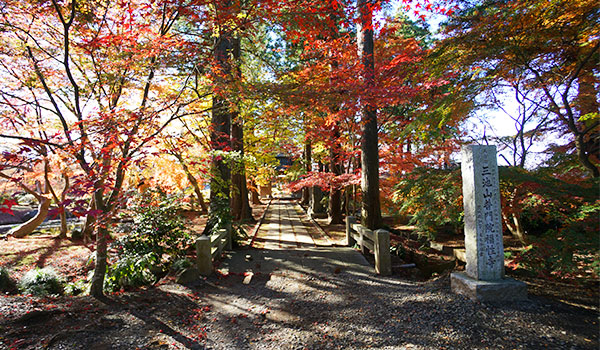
<point x="90" y="220"/>
<point x="192" y="179"/>
<point x="220" y="126"/>
<point x="97" y="285"/>
<point x="28" y="227"/>
<point x="371" y="211"/>
<point x="240" y="205"/>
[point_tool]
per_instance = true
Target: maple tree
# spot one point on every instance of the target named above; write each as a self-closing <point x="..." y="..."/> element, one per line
<point x="216" y="90"/>
<point x="92" y="69"/>
<point x="548" y="50"/>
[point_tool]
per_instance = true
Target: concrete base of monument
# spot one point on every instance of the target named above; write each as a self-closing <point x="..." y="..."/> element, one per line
<point x="506" y="289"/>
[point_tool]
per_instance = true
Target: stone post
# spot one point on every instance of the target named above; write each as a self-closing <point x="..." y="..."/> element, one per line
<point x="203" y="256"/>
<point x="383" y="260"/>
<point x="229" y="235"/>
<point x="350" y="220"/>
<point x="484" y="279"/>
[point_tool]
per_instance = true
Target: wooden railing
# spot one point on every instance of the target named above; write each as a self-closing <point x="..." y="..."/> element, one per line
<point x="209" y="249"/>
<point x="377" y="241"/>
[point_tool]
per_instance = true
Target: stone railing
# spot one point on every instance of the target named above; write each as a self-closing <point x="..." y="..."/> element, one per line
<point x="209" y="249"/>
<point x="377" y="241"/>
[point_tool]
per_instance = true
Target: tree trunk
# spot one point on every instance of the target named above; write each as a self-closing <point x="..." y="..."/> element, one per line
<point x="371" y="210"/>
<point x="515" y="226"/>
<point x="334" y="210"/>
<point x="240" y="205"/>
<point x="588" y="144"/>
<point x="220" y="130"/>
<point x="192" y="179"/>
<point x="308" y="168"/>
<point x="88" y="227"/>
<point x="97" y="285"/>
<point x="63" y="212"/>
<point x="28" y="227"/>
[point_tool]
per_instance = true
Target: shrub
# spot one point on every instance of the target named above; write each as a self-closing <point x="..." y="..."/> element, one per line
<point x="571" y="250"/>
<point x="76" y="288"/>
<point x="181" y="264"/>
<point x="41" y="282"/>
<point x="157" y="239"/>
<point x="433" y="198"/>
<point x="7" y="284"/>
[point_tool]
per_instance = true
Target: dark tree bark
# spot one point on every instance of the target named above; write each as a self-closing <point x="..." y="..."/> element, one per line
<point x="371" y="211"/>
<point x="254" y="193"/>
<point x="315" y="205"/>
<point x="88" y="227"/>
<point x="97" y="285"/>
<point x="240" y="205"/>
<point x="588" y="141"/>
<point x="334" y="210"/>
<point x="220" y="131"/>
<point x="308" y="165"/>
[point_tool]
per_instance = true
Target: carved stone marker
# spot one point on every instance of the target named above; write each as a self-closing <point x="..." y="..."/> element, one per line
<point x="484" y="279"/>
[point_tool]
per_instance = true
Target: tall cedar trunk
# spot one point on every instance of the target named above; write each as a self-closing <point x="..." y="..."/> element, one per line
<point x="335" y="194"/>
<point x="588" y="144"/>
<point x="334" y="209"/>
<point x="240" y="205"/>
<point x="316" y="198"/>
<point x="254" y="194"/>
<point x="308" y="167"/>
<point x="371" y="211"/>
<point x="220" y="132"/>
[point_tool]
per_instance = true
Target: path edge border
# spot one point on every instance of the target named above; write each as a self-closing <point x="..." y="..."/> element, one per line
<point x="259" y="223"/>
<point x="316" y="224"/>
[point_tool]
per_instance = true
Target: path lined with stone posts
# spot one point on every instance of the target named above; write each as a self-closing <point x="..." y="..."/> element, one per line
<point x="286" y="240"/>
<point x="289" y="292"/>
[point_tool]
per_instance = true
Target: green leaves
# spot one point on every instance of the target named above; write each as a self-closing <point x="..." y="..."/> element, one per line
<point x="158" y="238"/>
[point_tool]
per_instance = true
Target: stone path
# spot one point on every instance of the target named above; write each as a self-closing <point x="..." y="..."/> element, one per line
<point x="286" y="241"/>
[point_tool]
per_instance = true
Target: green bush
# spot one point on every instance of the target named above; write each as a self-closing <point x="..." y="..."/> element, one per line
<point x="76" y="288"/>
<point x="570" y="251"/>
<point x="41" y="282"/>
<point x="157" y="239"/>
<point x="7" y="284"/>
<point x="432" y="197"/>
<point x="181" y="264"/>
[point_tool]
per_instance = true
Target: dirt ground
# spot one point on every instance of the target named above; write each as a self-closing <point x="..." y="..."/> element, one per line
<point x="285" y="310"/>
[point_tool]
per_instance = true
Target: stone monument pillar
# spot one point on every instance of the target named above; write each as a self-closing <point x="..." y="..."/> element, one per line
<point x="484" y="278"/>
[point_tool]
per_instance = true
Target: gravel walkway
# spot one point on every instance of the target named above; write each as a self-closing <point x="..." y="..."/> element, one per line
<point x="303" y="297"/>
<point x="306" y="297"/>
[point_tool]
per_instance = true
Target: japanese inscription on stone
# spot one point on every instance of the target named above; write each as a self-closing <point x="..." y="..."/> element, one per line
<point x="483" y="228"/>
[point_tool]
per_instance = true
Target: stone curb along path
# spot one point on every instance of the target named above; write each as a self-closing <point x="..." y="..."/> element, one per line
<point x="259" y="223"/>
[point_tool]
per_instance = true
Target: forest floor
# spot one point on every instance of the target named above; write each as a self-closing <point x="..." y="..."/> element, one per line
<point x="286" y="308"/>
